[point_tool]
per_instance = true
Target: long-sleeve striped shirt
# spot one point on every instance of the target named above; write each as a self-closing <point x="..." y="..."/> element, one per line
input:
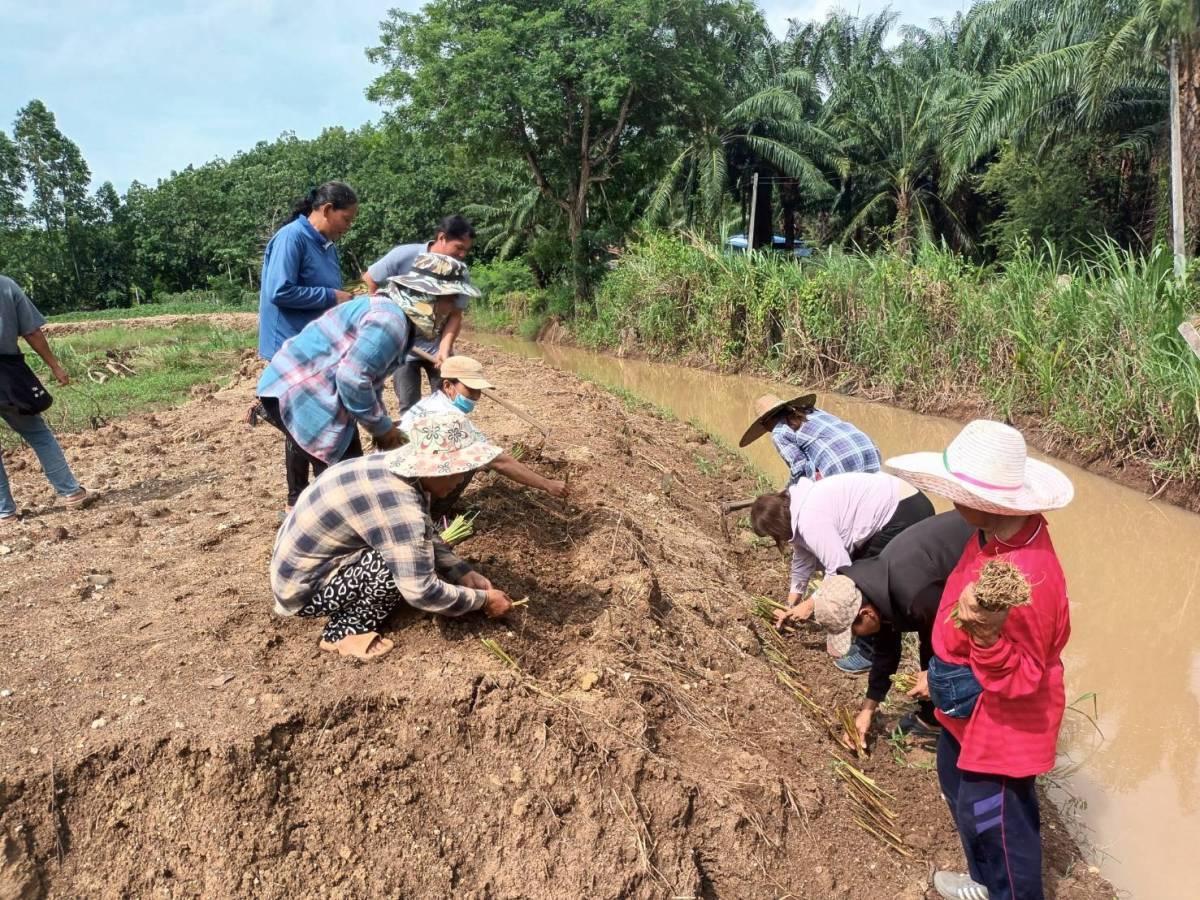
<point x="331" y="376"/>
<point x="824" y="445"/>
<point x="357" y="505"/>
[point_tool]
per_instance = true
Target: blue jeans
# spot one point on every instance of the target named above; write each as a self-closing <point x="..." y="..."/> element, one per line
<point x="37" y="434"/>
<point x="953" y="689"/>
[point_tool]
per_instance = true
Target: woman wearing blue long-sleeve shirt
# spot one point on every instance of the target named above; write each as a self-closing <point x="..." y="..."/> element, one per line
<point x="301" y="275"/>
<point x="301" y="279"/>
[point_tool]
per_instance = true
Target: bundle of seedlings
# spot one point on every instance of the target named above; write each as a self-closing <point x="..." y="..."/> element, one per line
<point x="874" y="815"/>
<point x="1001" y="586"/>
<point x="904" y="681"/>
<point x="459" y="529"/>
<point x="848" y="731"/>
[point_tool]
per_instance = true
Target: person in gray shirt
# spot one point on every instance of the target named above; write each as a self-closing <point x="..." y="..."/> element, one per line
<point x="19" y="318"/>
<point x="454" y="238"/>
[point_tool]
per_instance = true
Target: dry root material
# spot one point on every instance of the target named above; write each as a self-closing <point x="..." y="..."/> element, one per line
<point x="1001" y="586"/>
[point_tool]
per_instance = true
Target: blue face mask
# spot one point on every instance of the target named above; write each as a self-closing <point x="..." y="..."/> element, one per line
<point x="464" y="403"/>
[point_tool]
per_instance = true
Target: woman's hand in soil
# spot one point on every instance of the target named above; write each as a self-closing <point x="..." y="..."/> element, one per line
<point x="475" y="581"/>
<point x="862" y="723"/>
<point x="981" y="624"/>
<point x="920" y="690"/>
<point x="558" y="489"/>
<point x="389" y="440"/>
<point x="497" y="604"/>
<point x="60" y="374"/>
<point x="794" y="614"/>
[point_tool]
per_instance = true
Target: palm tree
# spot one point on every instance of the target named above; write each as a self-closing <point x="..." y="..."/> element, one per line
<point x="1100" y="66"/>
<point x="773" y="130"/>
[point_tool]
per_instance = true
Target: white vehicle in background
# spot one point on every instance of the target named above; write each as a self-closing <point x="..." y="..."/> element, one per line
<point x="739" y="243"/>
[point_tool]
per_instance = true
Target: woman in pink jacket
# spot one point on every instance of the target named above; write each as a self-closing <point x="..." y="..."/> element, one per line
<point x="996" y="678"/>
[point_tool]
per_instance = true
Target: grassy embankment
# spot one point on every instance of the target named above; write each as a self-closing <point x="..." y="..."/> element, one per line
<point x="1089" y="351"/>
<point x="163" y="365"/>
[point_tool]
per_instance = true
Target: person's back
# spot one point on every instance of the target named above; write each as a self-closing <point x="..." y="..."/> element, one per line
<point x="824" y="445"/>
<point x="330" y="374"/>
<point x="300" y="277"/>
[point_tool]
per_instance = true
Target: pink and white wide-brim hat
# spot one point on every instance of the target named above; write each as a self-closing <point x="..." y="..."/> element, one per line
<point x="986" y="467"/>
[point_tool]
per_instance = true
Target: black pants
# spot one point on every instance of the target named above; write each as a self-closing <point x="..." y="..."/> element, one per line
<point x="998" y="823"/>
<point x="296" y="460"/>
<point x="910" y="511"/>
<point x="357" y="599"/>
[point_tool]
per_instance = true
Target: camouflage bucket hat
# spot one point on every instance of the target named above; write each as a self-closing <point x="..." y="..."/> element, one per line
<point x="438" y="275"/>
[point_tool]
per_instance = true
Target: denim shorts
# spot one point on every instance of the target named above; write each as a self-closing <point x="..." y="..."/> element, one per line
<point x="953" y="689"/>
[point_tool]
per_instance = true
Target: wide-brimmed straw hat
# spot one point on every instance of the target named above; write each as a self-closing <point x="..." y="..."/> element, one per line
<point x="768" y="405"/>
<point x="836" y="603"/>
<point x="467" y="370"/>
<point x="986" y="467"/>
<point x="442" y="444"/>
<point x="438" y="275"/>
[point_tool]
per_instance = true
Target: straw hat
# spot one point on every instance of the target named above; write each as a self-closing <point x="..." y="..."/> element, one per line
<point x="835" y="607"/>
<point x="467" y="370"/>
<point x="766" y="406"/>
<point x="442" y="444"/>
<point x="439" y="275"/>
<point x="986" y="467"/>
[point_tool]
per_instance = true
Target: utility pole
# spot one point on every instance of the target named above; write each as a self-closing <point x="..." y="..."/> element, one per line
<point x="753" y="210"/>
<point x="1177" y="236"/>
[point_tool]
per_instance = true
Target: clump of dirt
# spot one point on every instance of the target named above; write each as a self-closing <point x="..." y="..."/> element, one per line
<point x="163" y="733"/>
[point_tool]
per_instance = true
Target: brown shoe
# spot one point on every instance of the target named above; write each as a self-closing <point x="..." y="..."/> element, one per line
<point x="79" y="499"/>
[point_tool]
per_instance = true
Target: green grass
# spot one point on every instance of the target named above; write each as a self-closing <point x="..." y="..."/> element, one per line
<point x="169" y="362"/>
<point x="172" y="308"/>
<point x="1090" y="349"/>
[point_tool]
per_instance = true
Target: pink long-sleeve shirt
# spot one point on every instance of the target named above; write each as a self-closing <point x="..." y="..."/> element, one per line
<point x="1013" y="729"/>
<point x="834" y="516"/>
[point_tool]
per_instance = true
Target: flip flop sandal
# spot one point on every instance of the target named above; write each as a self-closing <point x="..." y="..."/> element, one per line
<point x="365" y="647"/>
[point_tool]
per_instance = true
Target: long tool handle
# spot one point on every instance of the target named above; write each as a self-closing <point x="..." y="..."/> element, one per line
<point x="511" y="407"/>
<point x="735" y="505"/>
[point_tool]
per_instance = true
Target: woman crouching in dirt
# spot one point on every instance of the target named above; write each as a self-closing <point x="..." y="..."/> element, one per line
<point x="831" y="523"/>
<point x="996" y="676"/>
<point x="463" y="383"/>
<point x="360" y="541"/>
<point x="327" y="380"/>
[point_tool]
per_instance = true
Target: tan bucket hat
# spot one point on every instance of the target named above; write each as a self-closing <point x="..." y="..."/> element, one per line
<point x="987" y="467"/>
<point x="467" y="370"/>
<point x="765" y="407"/>
<point x="442" y="444"/>
<point x="836" y="603"/>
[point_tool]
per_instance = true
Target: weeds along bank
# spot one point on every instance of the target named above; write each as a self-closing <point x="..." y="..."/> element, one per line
<point x="1091" y="356"/>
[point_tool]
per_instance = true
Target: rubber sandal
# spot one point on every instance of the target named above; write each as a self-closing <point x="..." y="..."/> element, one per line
<point x="365" y="647"/>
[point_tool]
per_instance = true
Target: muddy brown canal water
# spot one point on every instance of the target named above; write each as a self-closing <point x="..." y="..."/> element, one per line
<point x="1133" y="568"/>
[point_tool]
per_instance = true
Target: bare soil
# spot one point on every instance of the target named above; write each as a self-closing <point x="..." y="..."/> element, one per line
<point x="163" y="734"/>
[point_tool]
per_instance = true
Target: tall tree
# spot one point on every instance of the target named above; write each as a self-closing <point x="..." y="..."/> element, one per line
<point x="12" y="184"/>
<point x="566" y="86"/>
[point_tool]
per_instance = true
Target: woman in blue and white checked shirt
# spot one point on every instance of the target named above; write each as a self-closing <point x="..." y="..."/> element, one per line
<point x="813" y="443"/>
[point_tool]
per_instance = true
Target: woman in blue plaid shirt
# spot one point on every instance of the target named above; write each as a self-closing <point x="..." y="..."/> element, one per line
<point x="813" y="443"/>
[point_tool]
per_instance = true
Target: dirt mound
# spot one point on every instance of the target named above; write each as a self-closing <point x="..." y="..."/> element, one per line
<point x="245" y="321"/>
<point x="166" y="735"/>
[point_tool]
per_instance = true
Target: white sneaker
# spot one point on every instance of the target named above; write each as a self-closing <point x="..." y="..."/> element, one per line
<point x="953" y="886"/>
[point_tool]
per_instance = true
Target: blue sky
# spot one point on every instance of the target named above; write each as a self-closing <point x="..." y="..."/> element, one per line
<point x="148" y="86"/>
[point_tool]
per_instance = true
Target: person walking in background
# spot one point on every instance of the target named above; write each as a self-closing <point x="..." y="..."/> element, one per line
<point x="301" y="279"/>
<point x="23" y="398"/>
<point x="996" y="676"/>
<point x="454" y="237"/>
<point x="813" y="443"/>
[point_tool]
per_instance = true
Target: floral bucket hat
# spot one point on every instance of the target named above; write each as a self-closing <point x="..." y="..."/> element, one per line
<point x="442" y="444"/>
